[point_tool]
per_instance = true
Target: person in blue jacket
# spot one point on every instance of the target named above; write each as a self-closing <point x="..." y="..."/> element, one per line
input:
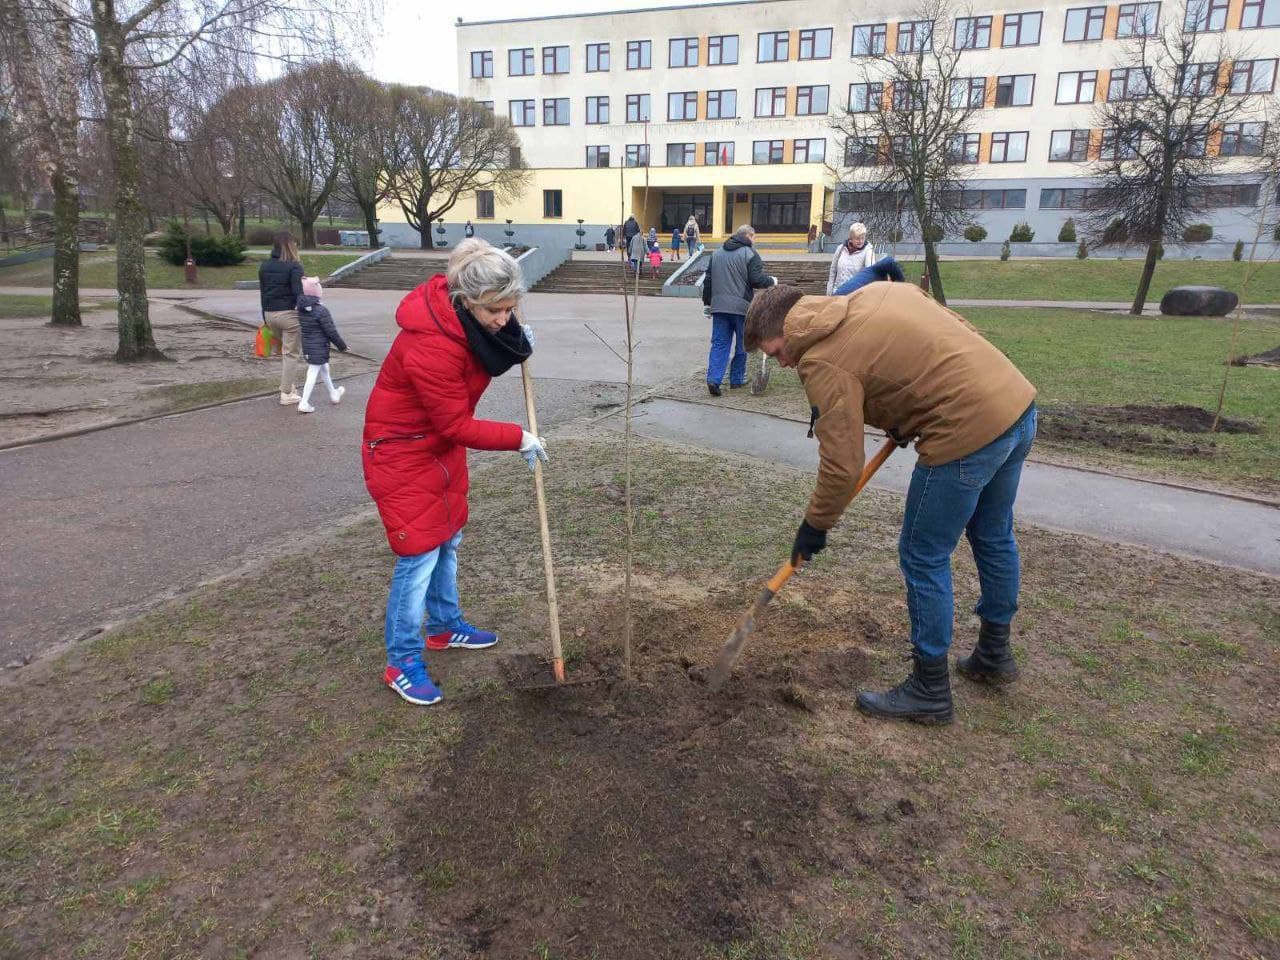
<point x="318" y="330"/>
<point x="884" y="269"/>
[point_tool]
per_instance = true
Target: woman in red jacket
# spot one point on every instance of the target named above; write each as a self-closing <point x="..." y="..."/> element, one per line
<point x="457" y="332"/>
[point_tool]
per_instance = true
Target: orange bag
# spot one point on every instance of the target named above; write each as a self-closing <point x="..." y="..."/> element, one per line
<point x="265" y="340"/>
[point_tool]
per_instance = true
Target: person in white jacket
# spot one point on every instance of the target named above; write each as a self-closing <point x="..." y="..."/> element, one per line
<point x="853" y="255"/>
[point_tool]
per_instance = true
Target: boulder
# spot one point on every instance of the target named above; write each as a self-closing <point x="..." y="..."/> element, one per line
<point x="1198" y="302"/>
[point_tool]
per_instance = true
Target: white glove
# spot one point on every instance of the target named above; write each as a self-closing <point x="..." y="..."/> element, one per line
<point x="532" y="449"/>
<point x="775" y="280"/>
<point x="528" y="333"/>
<point x="706" y="311"/>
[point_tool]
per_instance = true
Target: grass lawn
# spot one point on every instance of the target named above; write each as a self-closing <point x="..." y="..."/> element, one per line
<point x="1082" y="359"/>
<point x="35" y="305"/>
<point x="1107" y="280"/>
<point x="228" y="777"/>
<point x="99" y="270"/>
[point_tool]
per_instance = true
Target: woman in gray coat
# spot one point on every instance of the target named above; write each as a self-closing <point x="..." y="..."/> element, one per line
<point x="854" y="255"/>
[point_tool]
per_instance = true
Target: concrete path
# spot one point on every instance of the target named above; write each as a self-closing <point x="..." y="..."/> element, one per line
<point x="1201" y="525"/>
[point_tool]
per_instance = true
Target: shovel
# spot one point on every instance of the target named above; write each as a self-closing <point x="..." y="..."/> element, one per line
<point x="747" y="625"/>
<point x="761" y="380"/>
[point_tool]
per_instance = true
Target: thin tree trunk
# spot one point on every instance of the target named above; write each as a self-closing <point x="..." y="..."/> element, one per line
<point x="935" y="277"/>
<point x="66" y="250"/>
<point x="1144" y="281"/>
<point x="136" y="341"/>
<point x="371" y="225"/>
<point x="241" y="227"/>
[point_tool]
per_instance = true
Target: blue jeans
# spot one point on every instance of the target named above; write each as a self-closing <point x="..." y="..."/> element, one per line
<point x="725" y="327"/>
<point x="974" y="496"/>
<point x="426" y="581"/>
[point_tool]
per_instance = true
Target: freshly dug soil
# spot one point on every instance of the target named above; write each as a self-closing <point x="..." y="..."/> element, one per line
<point x="1268" y="358"/>
<point x="1112" y="428"/>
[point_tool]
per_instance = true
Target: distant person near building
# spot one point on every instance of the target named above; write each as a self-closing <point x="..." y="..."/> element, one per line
<point x="735" y="274"/>
<point x="855" y="254"/>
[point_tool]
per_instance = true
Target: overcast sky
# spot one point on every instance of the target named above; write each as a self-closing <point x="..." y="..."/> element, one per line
<point x="417" y="42"/>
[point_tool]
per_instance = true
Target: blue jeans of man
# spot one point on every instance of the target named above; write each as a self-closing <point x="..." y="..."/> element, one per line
<point x="426" y="581"/>
<point x="726" y="335"/>
<point x="972" y="496"/>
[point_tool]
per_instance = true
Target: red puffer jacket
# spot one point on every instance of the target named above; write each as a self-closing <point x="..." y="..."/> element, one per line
<point x="420" y="420"/>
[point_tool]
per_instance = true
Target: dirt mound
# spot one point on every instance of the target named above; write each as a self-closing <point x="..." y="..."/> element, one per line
<point x="1268" y="358"/>
<point x="1112" y="427"/>
<point x="594" y="790"/>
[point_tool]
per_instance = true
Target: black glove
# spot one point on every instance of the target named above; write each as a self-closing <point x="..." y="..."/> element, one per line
<point x="809" y="541"/>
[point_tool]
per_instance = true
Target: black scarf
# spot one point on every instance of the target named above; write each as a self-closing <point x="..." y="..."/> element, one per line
<point x="497" y="352"/>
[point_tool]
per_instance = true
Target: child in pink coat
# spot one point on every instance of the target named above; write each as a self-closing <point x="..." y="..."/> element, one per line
<point x="655" y="259"/>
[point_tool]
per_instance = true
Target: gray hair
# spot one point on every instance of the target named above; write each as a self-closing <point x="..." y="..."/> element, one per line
<point x="858" y="229"/>
<point x="483" y="273"/>
<point x="745" y="232"/>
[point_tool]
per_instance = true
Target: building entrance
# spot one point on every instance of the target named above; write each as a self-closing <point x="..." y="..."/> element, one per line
<point x="676" y="208"/>
<point x="780" y="212"/>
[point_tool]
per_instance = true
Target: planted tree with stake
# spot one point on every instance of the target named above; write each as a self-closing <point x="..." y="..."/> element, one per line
<point x="1167" y="101"/>
<point x="907" y="128"/>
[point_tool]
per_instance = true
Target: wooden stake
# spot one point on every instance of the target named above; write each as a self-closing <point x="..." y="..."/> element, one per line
<point x="553" y="607"/>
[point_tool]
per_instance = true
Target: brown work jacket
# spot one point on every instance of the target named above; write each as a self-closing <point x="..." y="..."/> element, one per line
<point x="891" y="357"/>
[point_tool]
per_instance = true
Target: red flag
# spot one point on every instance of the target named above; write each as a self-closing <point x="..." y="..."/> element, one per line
<point x="724" y="155"/>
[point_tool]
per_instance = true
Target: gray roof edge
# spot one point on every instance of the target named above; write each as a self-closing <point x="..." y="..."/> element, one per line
<point x="616" y="13"/>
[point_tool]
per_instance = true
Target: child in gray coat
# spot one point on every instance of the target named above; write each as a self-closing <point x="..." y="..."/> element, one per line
<point x="315" y="323"/>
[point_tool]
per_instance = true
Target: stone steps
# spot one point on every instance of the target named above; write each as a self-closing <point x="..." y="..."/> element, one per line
<point x="595" y="276"/>
<point x="393" y="274"/>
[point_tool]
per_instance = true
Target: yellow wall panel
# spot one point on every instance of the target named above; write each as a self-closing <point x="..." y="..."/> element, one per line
<point x="1095" y="144"/>
<point x="1104" y="80"/>
<point x="891" y="38"/>
<point x="984" y="148"/>
<point x="1235" y="10"/>
<point x="997" y="29"/>
<point x="990" y="99"/>
<point x="1111" y="22"/>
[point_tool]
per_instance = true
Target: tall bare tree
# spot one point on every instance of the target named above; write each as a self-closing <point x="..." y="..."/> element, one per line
<point x="1161" y="124"/>
<point x="908" y="145"/>
<point x="37" y="42"/>
<point x="299" y="146"/>
<point x="446" y="147"/>
<point x="366" y="126"/>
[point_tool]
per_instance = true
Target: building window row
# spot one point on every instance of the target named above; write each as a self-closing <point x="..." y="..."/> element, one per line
<point x="713" y="153"/>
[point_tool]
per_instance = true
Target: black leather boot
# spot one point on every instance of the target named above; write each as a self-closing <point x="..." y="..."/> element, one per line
<point x="924" y="697"/>
<point x="992" y="660"/>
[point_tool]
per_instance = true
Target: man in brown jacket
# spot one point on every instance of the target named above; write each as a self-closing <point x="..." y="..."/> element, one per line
<point x="891" y="357"/>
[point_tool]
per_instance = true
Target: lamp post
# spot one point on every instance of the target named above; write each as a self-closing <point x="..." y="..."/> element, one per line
<point x="510" y="232"/>
<point x="440" y="240"/>
<point x="581" y="233"/>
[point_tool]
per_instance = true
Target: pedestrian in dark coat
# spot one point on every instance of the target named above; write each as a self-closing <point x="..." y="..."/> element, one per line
<point x="315" y="323"/>
<point x="734" y="275"/>
<point x="279" y="287"/>
<point x="629" y="230"/>
<point x="609" y="237"/>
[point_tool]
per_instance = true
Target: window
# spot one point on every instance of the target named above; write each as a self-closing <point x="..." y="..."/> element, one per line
<point x="680" y="154"/>
<point x="1205" y="16"/>
<point x="914" y="36"/>
<point x="1084" y="23"/>
<point x="1008" y="147"/>
<point x="1192" y="141"/>
<point x="637" y="154"/>
<point x="870" y="38"/>
<point x="486" y="105"/>
<point x="865" y="97"/>
<point x="811" y="101"/>
<point x="722" y="104"/>
<point x="1131" y="84"/>
<point x="815" y="44"/>
<point x="637" y="108"/>
<point x="484" y="204"/>
<point x="1230" y="195"/>
<point x="555" y="59"/>
<point x="682" y="106"/>
<point x="1080" y="86"/>
<point x="868" y="201"/>
<point x="771" y="102"/>
<point x="910" y="95"/>
<point x="520" y="62"/>
<point x="682" y="52"/>
<point x="1200" y="79"/>
<point x="1119" y="145"/>
<point x="1260" y="13"/>
<point x="1138" y="20"/>
<point x="481" y="63"/>
<point x="862" y="152"/>
<point x="1021" y="30"/>
<point x="722" y="50"/>
<point x="597" y="157"/>
<point x="717" y="153"/>
<point x="639" y="54"/>
<point x="555" y="112"/>
<point x="973" y="33"/>
<point x="810" y="151"/>
<point x="900" y="147"/>
<point x="969" y="92"/>
<point x="597" y="58"/>
<point x="1065" y="198"/>
<point x="513" y="158"/>
<point x="989" y="199"/>
<point x="597" y="109"/>
<point x="1070" y="145"/>
<point x="772" y="47"/>
<point x="1242" y="139"/>
<point x="963" y="147"/>
<point x="553" y="203"/>
<point x="1253" y="76"/>
<point x="523" y="113"/>
<point x="766" y="151"/>
<point x="1016" y="90"/>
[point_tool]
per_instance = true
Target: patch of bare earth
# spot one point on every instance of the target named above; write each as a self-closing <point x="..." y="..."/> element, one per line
<point x="65" y="378"/>
<point x="228" y="777"/>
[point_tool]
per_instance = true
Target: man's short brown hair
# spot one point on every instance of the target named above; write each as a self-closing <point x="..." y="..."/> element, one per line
<point x="767" y="312"/>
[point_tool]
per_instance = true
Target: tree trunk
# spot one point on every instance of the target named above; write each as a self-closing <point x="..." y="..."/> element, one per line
<point x="241" y="229"/>
<point x="1144" y="282"/>
<point x="308" y="229"/>
<point x="136" y="341"/>
<point x="227" y="221"/>
<point x="371" y="225"/>
<point x="66" y="250"/>
<point x="935" y="277"/>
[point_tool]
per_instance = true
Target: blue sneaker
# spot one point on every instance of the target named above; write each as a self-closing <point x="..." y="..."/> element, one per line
<point x="463" y="636"/>
<point x="409" y="678"/>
